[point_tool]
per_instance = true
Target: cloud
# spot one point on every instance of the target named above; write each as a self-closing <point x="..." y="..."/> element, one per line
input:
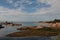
<point x="9" y="1"/>
<point x="55" y="7"/>
<point x="8" y="11"/>
<point x="19" y="15"/>
<point x="9" y="14"/>
<point x="29" y="6"/>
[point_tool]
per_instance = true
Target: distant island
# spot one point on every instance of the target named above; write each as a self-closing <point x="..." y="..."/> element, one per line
<point x="52" y="29"/>
<point x="10" y="24"/>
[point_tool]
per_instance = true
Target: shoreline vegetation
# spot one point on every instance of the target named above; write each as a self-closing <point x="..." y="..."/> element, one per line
<point x="34" y="32"/>
<point x="53" y="29"/>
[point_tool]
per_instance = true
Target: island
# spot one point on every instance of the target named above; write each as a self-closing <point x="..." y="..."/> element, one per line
<point x="10" y="24"/>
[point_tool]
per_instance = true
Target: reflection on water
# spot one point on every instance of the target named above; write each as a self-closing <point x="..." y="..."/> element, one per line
<point x="28" y="38"/>
<point x="7" y="30"/>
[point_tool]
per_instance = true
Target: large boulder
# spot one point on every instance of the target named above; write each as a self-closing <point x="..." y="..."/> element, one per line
<point x="1" y="26"/>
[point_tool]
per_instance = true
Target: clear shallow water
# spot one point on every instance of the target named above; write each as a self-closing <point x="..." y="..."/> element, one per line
<point x="9" y="29"/>
<point x="28" y="38"/>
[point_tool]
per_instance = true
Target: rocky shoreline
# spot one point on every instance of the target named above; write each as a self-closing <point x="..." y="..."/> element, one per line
<point x="34" y="32"/>
<point x="53" y="29"/>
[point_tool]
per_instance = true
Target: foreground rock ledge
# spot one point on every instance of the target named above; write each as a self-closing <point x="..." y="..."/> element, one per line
<point x="32" y="33"/>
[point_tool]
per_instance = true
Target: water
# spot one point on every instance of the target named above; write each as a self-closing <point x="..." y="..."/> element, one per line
<point x="28" y="38"/>
<point x="7" y="30"/>
<point x="29" y="23"/>
<point x="10" y="29"/>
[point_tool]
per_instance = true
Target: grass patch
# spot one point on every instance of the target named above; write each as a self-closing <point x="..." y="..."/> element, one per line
<point x="35" y="32"/>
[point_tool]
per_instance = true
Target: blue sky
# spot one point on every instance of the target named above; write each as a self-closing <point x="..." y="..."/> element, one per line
<point x="29" y="6"/>
<point x="28" y="10"/>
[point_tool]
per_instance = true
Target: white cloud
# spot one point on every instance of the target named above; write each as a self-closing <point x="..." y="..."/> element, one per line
<point x="9" y="1"/>
<point x="29" y="2"/>
<point x="23" y="16"/>
<point x="55" y="6"/>
<point x="41" y="11"/>
<point x="5" y="13"/>
<point x="17" y="3"/>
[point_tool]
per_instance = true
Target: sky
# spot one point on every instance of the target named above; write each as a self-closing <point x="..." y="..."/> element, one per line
<point x="29" y="10"/>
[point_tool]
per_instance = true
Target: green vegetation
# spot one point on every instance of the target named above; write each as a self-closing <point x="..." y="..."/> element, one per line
<point x="57" y="20"/>
<point x="45" y="31"/>
<point x="58" y="37"/>
<point x="35" y="32"/>
<point x="54" y="21"/>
